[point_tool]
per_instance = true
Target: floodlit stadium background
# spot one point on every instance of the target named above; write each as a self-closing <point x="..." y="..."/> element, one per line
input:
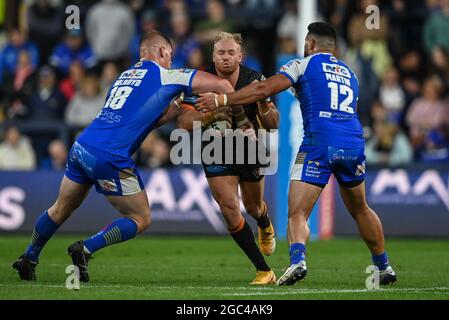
<point x="49" y="94"/>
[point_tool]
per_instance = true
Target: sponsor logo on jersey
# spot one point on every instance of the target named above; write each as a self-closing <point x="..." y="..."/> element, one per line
<point x="336" y="69"/>
<point x="345" y="155"/>
<point x="172" y="71"/>
<point x="288" y="65"/>
<point x="313" y="170"/>
<point x="325" y="114"/>
<point x="133" y="74"/>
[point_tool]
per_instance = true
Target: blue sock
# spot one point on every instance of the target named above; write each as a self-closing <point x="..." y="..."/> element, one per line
<point x="120" y="230"/>
<point x="44" y="229"/>
<point x="381" y="261"/>
<point x="297" y="253"/>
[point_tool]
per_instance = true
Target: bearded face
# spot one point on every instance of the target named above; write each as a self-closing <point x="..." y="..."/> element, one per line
<point x="227" y="56"/>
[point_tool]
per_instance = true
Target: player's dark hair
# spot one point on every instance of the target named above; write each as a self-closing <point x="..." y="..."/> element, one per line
<point x="153" y="34"/>
<point x="323" y="30"/>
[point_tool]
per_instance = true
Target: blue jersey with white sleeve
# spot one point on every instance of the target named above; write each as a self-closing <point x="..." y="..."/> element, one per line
<point x="333" y="143"/>
<point x="328" y="92"/>
<point x="134" y="105"/>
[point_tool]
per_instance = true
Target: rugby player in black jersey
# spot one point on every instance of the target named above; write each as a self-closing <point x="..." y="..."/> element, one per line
<point x="224" y="179"/>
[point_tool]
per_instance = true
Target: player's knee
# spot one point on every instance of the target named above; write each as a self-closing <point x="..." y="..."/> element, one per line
<point x="231" y="213"/>
<point x="297" y="212"/>
<point x="254" y="208"/>
<point x="229" y="207"/>
<point x="360" y="209"/>
<point x="297" y="219"/>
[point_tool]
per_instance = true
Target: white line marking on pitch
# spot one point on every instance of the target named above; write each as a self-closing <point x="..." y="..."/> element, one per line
<point x="256" y="291"/>
<point x="343" y="291"/>
<point x="114" y="286"/>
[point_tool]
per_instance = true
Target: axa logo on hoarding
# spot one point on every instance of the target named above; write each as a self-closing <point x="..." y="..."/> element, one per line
<point x="174" y="195"/>
<point x="404" y="188"/>
<point x="186" y="198"/>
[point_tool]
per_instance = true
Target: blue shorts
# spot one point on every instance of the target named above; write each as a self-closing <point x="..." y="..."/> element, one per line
<point x="315" y="164"/>
<point x="112" y="175"/>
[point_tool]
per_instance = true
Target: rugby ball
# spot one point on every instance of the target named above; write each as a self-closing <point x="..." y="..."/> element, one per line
<point x="220" y="126"/>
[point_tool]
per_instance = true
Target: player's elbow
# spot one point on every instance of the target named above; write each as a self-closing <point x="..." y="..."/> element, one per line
<point x="224" y="86"/>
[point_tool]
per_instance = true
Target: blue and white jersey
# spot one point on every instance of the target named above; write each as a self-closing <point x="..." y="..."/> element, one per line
<point x="134" y="105"/>
<point x="328" y="92"/>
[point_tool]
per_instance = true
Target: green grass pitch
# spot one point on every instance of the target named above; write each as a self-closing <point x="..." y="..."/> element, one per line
<point x="215" y="268"/>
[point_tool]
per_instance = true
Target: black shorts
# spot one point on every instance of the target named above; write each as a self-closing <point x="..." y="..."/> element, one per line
<point x="246" y="173"/>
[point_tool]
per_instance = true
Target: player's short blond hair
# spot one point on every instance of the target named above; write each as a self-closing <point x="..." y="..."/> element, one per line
<point x="237" y="37"/>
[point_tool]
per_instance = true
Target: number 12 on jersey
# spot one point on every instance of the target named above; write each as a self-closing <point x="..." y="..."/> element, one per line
<point x="336" y="91"/>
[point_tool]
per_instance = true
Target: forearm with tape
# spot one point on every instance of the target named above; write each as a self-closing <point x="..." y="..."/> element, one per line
<point x="221" y="100"/>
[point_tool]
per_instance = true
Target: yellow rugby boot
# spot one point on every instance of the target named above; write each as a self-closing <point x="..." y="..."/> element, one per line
<point x="267" y="241"/>
<point x="264" y="278"/>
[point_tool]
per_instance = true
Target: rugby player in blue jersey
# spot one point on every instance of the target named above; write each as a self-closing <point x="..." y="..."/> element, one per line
<point x="328" y="93"/>
<point x="101" y="156"/>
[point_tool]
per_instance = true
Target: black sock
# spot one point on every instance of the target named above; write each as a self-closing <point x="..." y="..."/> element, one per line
<point x="264" y="221"/>
<point x="245" y="239"/>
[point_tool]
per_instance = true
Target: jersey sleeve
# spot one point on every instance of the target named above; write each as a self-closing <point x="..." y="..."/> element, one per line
<point x="294" y="69"/>
<point x="179" y="77"/>
<point x="188" y="102"/>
